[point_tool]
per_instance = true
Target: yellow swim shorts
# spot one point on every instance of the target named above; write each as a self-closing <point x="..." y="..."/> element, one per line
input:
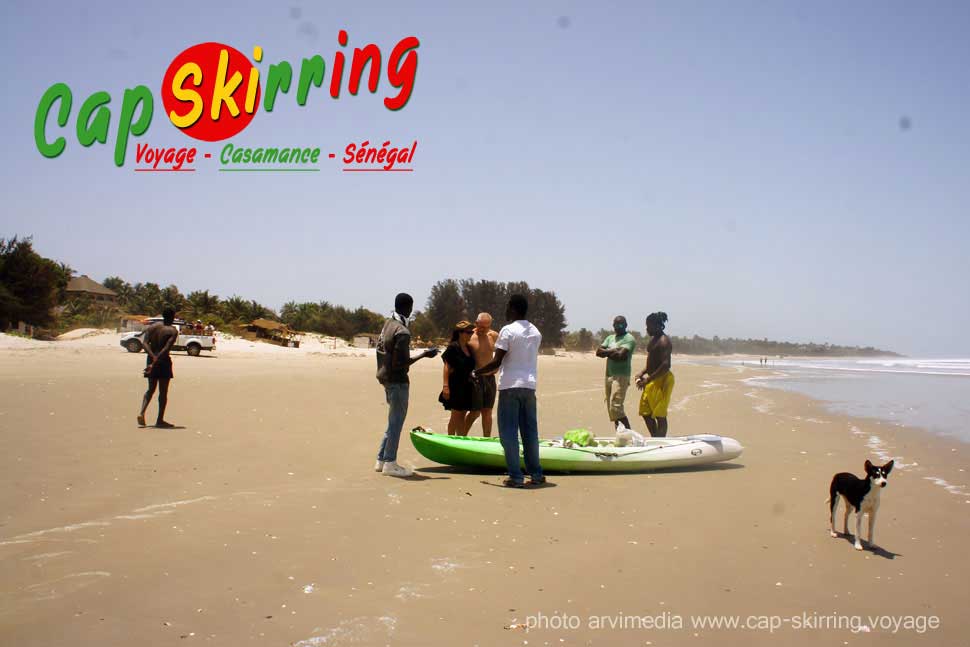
<point x="656" y="397"/>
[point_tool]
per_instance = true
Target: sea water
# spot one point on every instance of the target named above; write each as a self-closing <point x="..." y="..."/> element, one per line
<point x="933" y="394"/>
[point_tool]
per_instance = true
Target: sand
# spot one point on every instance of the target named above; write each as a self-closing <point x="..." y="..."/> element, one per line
<point x="259" y="522"/>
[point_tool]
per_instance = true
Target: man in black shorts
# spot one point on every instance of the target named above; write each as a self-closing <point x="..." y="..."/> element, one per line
<point x="158" y="340"/>
<point x="482" y="344"/>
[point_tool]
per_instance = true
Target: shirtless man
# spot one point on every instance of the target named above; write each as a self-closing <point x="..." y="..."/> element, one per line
<point x="482" y="344"/>
<point x="157" y="341"/>
<point x="656" y="380"/>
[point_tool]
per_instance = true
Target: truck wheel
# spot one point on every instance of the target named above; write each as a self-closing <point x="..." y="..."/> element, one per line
<point x="133" y="346"/>
<point x="193" y="350"/>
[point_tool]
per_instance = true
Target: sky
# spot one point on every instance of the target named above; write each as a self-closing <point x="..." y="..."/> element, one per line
<point x="785" y="170"/>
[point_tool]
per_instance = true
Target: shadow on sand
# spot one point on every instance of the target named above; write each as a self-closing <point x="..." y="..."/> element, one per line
<point x="483" y="471"/>
<point x="878" y="551"/>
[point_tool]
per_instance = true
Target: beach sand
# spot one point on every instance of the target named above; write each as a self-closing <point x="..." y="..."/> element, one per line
<point x="260" y="522"/>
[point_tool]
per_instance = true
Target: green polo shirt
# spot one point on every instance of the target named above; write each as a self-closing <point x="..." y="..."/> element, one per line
<point x="614" y="367"/>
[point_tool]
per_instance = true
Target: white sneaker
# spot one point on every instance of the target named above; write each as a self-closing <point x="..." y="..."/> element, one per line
<point x="378" y="466"/>
<point x="391" y="468"/>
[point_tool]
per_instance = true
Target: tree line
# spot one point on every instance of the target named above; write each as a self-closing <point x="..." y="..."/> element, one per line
<point x="32" y="289"/>
<point x="453" y="300"/>
<point x="586" y="340"/>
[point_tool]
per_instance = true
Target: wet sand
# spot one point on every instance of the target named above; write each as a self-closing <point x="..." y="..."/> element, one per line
<point x="259" y="520"/>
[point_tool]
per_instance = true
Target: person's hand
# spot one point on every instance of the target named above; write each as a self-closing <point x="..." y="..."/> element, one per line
<point x="640" y="382"/>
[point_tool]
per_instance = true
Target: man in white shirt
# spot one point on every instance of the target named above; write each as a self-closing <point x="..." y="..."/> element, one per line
<point x="517" y="353"/>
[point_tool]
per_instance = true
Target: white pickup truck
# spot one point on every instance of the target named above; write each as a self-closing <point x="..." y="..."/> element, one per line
<point x="189" y="341"/>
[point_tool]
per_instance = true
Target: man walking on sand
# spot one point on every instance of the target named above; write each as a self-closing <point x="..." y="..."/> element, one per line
<point x="655" y="379"/>
<point x="482" y="344"/>
<point x="393" y="361"/>
<point x="158" y="340"/>
<point x="517" y="353"/>
<point x="618" y="350"/>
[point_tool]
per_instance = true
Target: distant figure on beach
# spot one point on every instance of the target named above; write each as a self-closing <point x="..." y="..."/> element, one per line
<point x="393" y="362"/>
<point x="460" y="394"/>
<point x="482" y="344"/>
<point x="618" y="350"/>
<point x="655" y="379"/>
<point x="517" y="353"/>
<point x="158" y="340"/>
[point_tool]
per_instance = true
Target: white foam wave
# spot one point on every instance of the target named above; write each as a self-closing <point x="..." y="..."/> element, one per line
<point x="960" y="490"/>
<point x="174" y="504"/>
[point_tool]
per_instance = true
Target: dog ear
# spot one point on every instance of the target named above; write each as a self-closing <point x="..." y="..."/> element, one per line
<point x="868" y="466"/>
<point x="888" y="467"/>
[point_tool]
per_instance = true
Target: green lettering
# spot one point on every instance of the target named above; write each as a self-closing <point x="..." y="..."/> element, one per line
<point x="277" y="79"/>
<point x="226" y="154"/>
<point x="87" y="133"/>
<point x="137" y="97"/>
<point x="311" y="70"/>
<point x="55" y="92"/>
<point x="271" y="154"/>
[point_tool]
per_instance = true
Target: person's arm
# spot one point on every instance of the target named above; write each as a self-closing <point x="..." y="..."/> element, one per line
<point x="620" y="353"/>
<point x="662" y="369"/>
<point x="624" y="350"/>
<point x="444" y="380"/>
<point x="492" y="366"/>
<point x="146" y="345"/>
<point x="430" y="352"/>
<point x="172" y="338"/>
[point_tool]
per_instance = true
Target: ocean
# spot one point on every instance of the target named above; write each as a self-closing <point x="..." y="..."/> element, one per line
<point x="933" y="394"/>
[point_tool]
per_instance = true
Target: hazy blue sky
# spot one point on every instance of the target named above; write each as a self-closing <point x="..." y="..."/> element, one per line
<point x="744" y="166"/>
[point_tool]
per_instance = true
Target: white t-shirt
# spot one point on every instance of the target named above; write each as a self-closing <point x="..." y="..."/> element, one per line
<point x="520" y="341"/>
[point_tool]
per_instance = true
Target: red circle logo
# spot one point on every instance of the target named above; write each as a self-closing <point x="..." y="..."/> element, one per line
<point x="209" y="91"/>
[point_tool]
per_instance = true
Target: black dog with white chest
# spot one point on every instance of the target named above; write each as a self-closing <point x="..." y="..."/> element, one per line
<point x="861" y="496"/>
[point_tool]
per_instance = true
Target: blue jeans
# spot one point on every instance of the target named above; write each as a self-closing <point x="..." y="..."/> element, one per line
<point x="517" y="415"/>
<point x="397" y="403"/>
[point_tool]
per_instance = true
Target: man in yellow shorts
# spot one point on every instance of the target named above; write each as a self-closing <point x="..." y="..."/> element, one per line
<point x="656" y="380"/>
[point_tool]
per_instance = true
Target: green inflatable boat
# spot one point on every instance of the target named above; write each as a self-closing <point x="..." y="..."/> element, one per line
<point x="604" y="456"/>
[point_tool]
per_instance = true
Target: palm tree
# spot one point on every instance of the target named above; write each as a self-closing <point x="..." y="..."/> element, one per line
<point x="201" y="305"/>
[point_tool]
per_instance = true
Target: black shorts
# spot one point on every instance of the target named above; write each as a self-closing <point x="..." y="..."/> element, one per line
<point x="487" y="389"/>
<point x="162" y="370"/>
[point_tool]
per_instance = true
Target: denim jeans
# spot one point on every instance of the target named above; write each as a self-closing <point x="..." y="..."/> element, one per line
<point x="397" y="403"/>
<point x="517" y="415"/>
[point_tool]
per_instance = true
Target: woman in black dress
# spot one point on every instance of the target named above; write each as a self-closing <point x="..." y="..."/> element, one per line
<point x="459" y="393"/>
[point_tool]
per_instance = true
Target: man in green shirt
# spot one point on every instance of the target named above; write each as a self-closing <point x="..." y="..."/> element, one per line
<point x="618" y="350"/>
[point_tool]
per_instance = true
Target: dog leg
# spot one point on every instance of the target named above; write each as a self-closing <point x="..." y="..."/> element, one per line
<point x="872" y="528"/>
<point x="834" y="505"/>
<point x="845" y="519"/>
<point x="858" y="530"/>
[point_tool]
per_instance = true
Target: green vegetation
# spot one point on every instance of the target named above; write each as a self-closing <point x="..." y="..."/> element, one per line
<point x="328" y="319"/>
<point x="30" y="285"/>
<point x="452" y="300"/>
<point x="32" y="290"/>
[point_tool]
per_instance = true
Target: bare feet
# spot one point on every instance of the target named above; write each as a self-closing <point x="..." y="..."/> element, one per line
<point x="141" y="421"/>
<point x="161" y="424"/>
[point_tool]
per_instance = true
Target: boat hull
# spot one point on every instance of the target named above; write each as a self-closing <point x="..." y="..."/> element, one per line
<point x="659" y="453"/>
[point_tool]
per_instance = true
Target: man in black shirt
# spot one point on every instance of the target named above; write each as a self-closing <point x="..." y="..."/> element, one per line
<point x="393" y="361"/>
